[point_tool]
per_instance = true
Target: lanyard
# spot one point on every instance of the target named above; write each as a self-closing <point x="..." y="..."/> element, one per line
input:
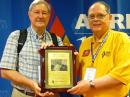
<point x="99" y="48"/>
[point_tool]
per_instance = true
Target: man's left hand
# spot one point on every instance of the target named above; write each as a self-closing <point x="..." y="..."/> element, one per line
<point x="45" y="45"/>
<point x="81" y="88"/>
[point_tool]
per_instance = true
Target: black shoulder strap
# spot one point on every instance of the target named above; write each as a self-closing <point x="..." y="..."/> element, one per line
<point x="22" y="39"/>
<point x="54" y="39"/>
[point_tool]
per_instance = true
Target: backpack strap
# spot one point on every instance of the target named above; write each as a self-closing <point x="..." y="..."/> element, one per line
<point x="54" y="39"/>
<point x="22" y="39"/>
<point x="23" y="36"/>
<point x="21" y="42"/>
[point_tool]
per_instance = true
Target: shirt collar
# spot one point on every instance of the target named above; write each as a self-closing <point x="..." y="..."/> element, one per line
<point x="100" y="40"/>
<point x="34" y="33"/>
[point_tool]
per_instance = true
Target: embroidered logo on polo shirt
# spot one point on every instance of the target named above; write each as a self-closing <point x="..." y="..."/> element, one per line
<point x="106" y="53"/>
<point x="86" y="53"/>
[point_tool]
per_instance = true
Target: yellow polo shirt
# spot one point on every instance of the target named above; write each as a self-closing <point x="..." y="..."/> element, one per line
<point x="113" y="59"/>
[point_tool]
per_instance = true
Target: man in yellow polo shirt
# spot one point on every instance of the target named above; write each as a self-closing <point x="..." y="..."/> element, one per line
<point x="104" y="58"/>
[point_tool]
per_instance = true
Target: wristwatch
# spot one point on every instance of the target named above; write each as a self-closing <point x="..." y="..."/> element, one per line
<point x="92" y="83"/>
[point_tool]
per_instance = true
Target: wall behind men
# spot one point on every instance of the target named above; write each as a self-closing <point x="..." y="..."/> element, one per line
<point x="68" y="20"/>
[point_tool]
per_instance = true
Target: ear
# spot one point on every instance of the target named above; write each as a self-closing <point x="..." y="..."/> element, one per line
<point x="110" y="17"/>
<point x="28" y="13"/>
<point x="50" y="15"/>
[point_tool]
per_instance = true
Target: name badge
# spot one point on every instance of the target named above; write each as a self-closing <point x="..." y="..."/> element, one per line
<point x="90" y="74"/>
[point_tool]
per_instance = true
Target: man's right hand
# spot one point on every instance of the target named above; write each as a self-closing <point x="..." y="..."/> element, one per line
<point x="21" y="80"/>
<point x="37" y="91"/>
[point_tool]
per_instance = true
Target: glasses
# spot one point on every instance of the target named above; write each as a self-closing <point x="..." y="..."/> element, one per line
<point x="39" y="12"/>
<point x="98" y="16"/>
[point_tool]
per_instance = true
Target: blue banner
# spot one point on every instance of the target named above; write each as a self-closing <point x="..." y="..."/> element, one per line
<point x="68" y="20"/>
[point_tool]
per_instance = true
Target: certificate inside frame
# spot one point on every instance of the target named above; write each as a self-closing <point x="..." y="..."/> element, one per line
<point x="58" y="68"/>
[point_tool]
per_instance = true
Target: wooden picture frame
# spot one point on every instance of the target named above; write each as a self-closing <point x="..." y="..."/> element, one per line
<point x="58" y="68"/>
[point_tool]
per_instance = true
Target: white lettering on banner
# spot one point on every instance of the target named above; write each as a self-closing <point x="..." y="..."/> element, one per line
<point x="128" y="21"/>
<point x="117" y="19"/>
<point x="122" y="21"/>
<point x="82" y="22"/>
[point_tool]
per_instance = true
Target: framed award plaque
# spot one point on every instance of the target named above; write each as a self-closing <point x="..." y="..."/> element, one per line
<point x="58" y="68"/>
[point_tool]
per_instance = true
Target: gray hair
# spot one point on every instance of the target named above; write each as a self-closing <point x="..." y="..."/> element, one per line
<point x="107" y="7"/>
<point x="36" y="2"/>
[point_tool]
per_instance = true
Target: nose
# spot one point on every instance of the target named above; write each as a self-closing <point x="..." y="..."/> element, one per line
<point x="95" y="18"/>
<point x="40" y="14"/>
